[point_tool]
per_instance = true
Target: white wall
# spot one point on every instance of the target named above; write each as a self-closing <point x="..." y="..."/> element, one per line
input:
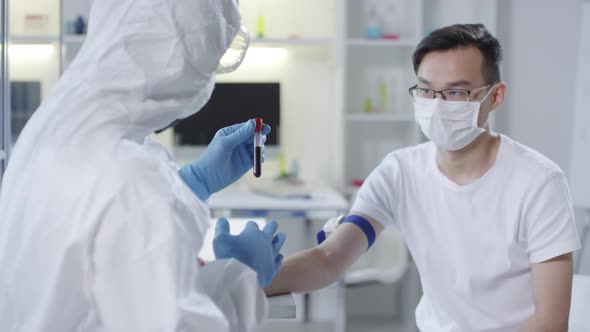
<point x="20" y="9"/>
<point x="580" y="177"/>
<point x="540" y="40"/>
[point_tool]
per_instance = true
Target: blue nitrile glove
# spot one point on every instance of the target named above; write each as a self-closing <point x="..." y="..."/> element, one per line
<point x="259" y="249"/>
<point x="224" y="161"/>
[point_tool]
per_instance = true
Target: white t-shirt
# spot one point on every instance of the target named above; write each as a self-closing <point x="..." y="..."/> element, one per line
<point x="474" y="244"/>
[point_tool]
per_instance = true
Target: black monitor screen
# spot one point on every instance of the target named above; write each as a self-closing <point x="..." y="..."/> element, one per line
<point x="25" y="98"/>
<point x="233" y="103"/>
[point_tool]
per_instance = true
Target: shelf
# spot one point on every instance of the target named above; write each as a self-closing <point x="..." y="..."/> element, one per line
<point x="21" y="116"/>
<point x="381" y="117"/>
<point x="74" y="39"/>
<point x="362" y="42"/>
<point x="33" y="39"/>
<point x="291" y="42"/>
<point x="79" y="39"/>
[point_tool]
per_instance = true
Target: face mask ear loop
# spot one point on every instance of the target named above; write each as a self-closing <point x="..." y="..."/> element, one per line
<point x="487" y="94"/>
<point x="476" y="114"/>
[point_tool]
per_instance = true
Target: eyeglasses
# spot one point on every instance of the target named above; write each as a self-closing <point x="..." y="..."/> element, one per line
<point x="447" y="94"/>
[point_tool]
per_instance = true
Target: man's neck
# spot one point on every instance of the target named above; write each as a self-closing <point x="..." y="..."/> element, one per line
<point x="467" y="165"/>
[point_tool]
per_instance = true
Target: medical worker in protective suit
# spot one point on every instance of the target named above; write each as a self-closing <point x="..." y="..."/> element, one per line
<point x="99" y="229"/>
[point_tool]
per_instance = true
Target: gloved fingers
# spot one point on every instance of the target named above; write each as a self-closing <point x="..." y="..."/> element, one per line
<point x="266" y="129"/>
<point x="278" y="241"/>
<point x="251" y="226"/>
<point x="279" y="259"/>
<point x="226" y="131"/>
<point x="222" y="227"/>
<point x="250" y="148"/>
<point x="243" y="134"/>
<point x="270" y="229"/>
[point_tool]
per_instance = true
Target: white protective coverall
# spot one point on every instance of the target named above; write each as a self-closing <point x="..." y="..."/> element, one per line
<point x="97" y="230"/>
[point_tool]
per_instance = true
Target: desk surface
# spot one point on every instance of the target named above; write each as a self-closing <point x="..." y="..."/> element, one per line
<point x="249" y="196"/>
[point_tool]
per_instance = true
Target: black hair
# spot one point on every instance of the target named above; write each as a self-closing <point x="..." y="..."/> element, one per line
<point x="463" y="35"/>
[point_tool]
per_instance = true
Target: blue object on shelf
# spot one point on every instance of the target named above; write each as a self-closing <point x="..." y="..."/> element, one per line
<point x="374" y="33"/>
<point x="80" y="26"/>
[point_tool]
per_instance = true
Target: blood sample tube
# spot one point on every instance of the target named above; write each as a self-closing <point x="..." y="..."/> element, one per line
<point x="257" y="167"/>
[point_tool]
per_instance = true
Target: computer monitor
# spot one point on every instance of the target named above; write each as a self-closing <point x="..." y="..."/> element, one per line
<point x="233" y="103"/>
<point x="25" y="98"/>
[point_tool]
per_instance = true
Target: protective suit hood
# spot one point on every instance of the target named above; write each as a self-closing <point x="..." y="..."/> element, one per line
<point x="159" y="57"/>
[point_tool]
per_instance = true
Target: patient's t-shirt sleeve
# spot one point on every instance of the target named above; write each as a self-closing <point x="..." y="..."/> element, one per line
<point x="550" y="229"/>
<point x="377" y="197"/>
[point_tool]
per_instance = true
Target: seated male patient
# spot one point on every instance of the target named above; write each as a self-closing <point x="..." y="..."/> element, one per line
<point x="488" y="221"/>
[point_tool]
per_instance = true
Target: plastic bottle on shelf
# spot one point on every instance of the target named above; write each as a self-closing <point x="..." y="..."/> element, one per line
<point x="282" y="165"/>
<point x="295" y="169"/>
<point x="373" y="25"/>
<point x="80" y="25"/>
<point x="382" y="96"/>
<point x="368" y="105"/>
<point x="260" y="27"/>
<point x="68" y="27"/>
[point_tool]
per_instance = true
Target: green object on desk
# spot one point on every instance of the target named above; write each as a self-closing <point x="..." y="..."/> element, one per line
<point x="260" y="32"/>
<point x="282" y="165"/>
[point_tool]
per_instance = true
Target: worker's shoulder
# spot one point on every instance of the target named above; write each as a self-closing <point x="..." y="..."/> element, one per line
<point x="141" y="166"/>
<point x="524" y="159"/>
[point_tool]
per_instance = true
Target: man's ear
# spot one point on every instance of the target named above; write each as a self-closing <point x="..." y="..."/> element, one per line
<point x="497" y="97"/>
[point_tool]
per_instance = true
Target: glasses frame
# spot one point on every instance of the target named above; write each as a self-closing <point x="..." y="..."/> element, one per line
<point x="442" y="92"/>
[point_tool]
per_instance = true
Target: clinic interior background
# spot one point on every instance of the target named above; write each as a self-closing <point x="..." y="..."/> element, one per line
<point x="343" y="97"/>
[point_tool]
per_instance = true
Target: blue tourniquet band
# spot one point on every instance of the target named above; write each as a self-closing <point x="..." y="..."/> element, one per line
<point x="321" y="236"/>
<point x="364" y="225"/>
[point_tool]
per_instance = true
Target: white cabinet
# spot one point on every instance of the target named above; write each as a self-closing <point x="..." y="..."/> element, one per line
<point x="377" y="72"/>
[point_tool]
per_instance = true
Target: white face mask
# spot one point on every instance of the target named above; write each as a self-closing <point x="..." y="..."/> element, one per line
<point x="451" y="125"/>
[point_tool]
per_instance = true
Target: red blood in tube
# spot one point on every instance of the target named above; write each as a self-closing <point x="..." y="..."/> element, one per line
<point x="257" y="162"/>
<point x="257" y="167"/>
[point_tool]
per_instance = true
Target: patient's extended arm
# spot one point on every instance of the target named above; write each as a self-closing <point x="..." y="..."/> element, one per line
<point x="321" y="266"/>
<point x="552" y="289"/>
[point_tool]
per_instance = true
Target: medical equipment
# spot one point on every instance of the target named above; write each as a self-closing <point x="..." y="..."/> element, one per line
<point x="227" y="158"/>
<point x="329" y="227"/>
<point x="257" y="167"/>
<point x="359" y="221"/>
